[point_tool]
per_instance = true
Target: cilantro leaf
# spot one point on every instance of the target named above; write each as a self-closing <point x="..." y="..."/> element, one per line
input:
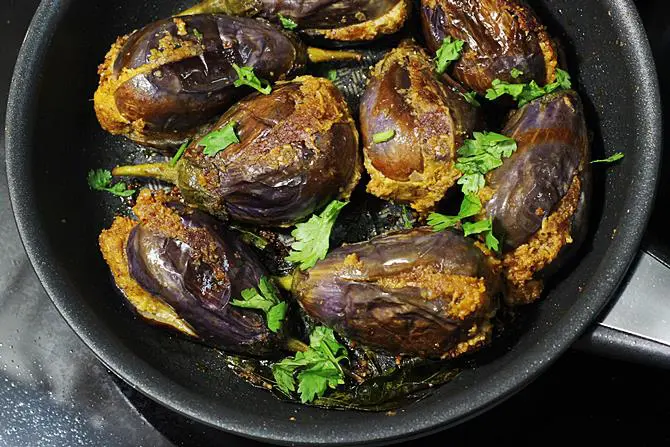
<point x="331" y="75"/>
<point x="382" y="137"/>
<point x="611" y="159"/>
<point x="515" y="73"/>
<point x="246" y="76"/>
<point x="316" y="369"/>
<point x="267" y="301"/>
<point x="312" y="237"/>
<point x="471" y="97"/>
<point x="525" y="93"/>
<point x="219" y="139"/>
<point x="101" y="179"/>
<point x="287" y="23"/>
<point x="480" y="155"/>
<point x="471" y="183"/>
<point x="491" y="241"/>
<point x="180" y="152"/>
<point x="471" y="206"/>
<point x="447" y="53"/>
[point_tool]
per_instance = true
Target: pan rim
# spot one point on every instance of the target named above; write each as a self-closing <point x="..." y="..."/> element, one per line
<point x="22" y="105"/>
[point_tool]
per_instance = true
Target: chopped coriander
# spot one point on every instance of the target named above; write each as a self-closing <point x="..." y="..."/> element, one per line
<point x="246" y="76"/>
<point x="287" y="23"/>
<point x="515" y="73"/>
<point x="447" y="53"/>
<point x="316" y="369"/>
<point x="471" y="206"/>
<point x="525" y="93"/>
<point x="382" y="137"/>
<point x="312" y="237"/>
<point x="471" y="97"/>
<point x="481" y="155"/>
<point x="219" y="139"/>
<point x="482" y="226"/>
<point x="180" y="152"/>
<point x="331" y="75"/>
<point x="101" y="179"/>
<point x="197" y="34"/>
<point x="611" y="159"/>
<point x="267" y="301"/>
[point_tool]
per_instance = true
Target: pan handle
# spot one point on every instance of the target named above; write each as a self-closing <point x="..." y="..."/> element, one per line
<point x="636" y="325"/>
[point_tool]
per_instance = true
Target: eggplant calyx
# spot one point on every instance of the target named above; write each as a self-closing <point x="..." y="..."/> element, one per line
<point x="318" y="55"/>
<point x="160" y="171"/>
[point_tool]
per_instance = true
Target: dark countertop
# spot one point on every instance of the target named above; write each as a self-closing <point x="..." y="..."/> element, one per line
<point x="54" y="392"/>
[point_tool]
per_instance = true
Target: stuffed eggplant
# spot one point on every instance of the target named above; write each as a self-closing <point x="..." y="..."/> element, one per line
<point x="178" y="267"/>
<point x="158" y="85"/>
<point x="537" y="199"/>
<point x="500" y="36"/>
<point x="337" y="20"/>
<point x="411" y="126"/>
<point x="297" y="150"/>
<point x="418" y="292"/>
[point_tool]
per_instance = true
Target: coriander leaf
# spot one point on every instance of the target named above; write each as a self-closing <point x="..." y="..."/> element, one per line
<point x="610" y="159"/>
<point x="471" y="183"/>
<point x="525" y="93"/>
<point x="515" y="73"/>
<point x="447" y="53"/>
<point x="471" y="97"/>
<point x="532" y="91"/>
<point x="287" y="22"/>
<point x="219" y="139"/>
<point x="314" y="381"/>
<point x="382" y="137"/>
<point x="100" y="179"/>
<point x="480" y="155"/>
<point x="246" y="76"/>
<point x="500" y="88"/>
<point x="284" y="378"/>
<point x="441" y="222"/>
<point x="477" y="227"/>
<point x="180" y="152"/>
<point x="471" y="206"/>
<point x="311" y="237"/>
<point x="267" y="301"/>
<point x="331" y="75"/>
<point x="491" y="241"/>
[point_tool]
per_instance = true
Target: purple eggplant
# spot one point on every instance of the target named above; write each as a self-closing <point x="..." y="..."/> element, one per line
<point x="338" y="20"/>
<point x="425" y="122"/>
<point x="158" y="85"/>
<point x="537" y="198"/>
<point x="499" y="36"/>
<point x="298" y="150"/>
<point x="416" y="292"/>
<point x="179" y="267"/>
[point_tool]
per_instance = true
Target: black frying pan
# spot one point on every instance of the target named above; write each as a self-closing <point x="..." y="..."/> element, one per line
<point x="53" y="139"/>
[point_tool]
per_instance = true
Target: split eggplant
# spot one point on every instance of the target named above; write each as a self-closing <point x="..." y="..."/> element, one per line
<point x="158" y="85"/>
<point x="538" y="198"/>
<point x="337" y="20"/>
<point x="180" y="268"/>
<point x="425" y="121"/>
<point x="298" y="150"/>
<point x="499" y="36"/>
<point x="416" y="292"/>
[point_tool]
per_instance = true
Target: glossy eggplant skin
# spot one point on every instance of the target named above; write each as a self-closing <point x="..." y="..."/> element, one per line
<point x="417" y="292"/>
<point x="298" y="151"/>
<point x="538" y="198"/>
<point x="160" y="83"/>
<point x="338" y="20"/>
<point x="430" y="121"/>
<point x="499" y="35"/>
<point x="192" y="266"/>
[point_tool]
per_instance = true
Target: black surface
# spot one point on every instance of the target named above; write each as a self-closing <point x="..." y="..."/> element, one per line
<point x="609" y="398"/>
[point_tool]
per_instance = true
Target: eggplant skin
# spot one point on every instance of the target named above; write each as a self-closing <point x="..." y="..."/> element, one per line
<point x="538" y="198"/>
<point x="417" y="292"/>
<point x="298" y="151"/>
<point x="430" y="121"/>
<point x="499" y="35"/>
<point x="179" y="267"/>
<point x="158" y="85"/>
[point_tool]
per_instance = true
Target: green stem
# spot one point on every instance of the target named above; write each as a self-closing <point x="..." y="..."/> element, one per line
<point x="295" y="345"/>
<point x="160" y="171"/>
<point x="317" y="55"/>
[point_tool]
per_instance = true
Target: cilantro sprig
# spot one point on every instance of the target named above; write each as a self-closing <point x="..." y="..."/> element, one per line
<point x="312" y="237"/>
<point x="316" y="369"/>
<point x="219" y="139"/>
<point x="471" y="97"/>
<point x="525" y="93"/>
<point x="246" y="76"/>
<point x="481" y="155"/>
<point x="266" y="300"/>
<point x="101" y="179"/>
<point x="287" y="22"/>
<point x="449" y="51"/>
<point x="471" y="206"/>
<point x="611" y="159"/>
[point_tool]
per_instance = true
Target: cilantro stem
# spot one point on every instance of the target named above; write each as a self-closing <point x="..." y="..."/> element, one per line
<point x="160" y="171"/>
<point x="318" y="55"/>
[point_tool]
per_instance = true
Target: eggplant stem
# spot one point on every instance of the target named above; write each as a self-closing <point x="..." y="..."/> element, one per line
<point x="160" y="171"/>
<point x="207" y="7"/>
<point x="317" y="55"/>
<point x="295" y="345"/>
<point x="285" y="282"/>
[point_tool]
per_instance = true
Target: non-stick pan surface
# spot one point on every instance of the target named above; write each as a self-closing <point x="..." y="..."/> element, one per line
<point x="53" y="139"/>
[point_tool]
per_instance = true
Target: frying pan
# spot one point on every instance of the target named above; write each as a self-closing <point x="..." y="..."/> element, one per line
<point x="53" y="139"/>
